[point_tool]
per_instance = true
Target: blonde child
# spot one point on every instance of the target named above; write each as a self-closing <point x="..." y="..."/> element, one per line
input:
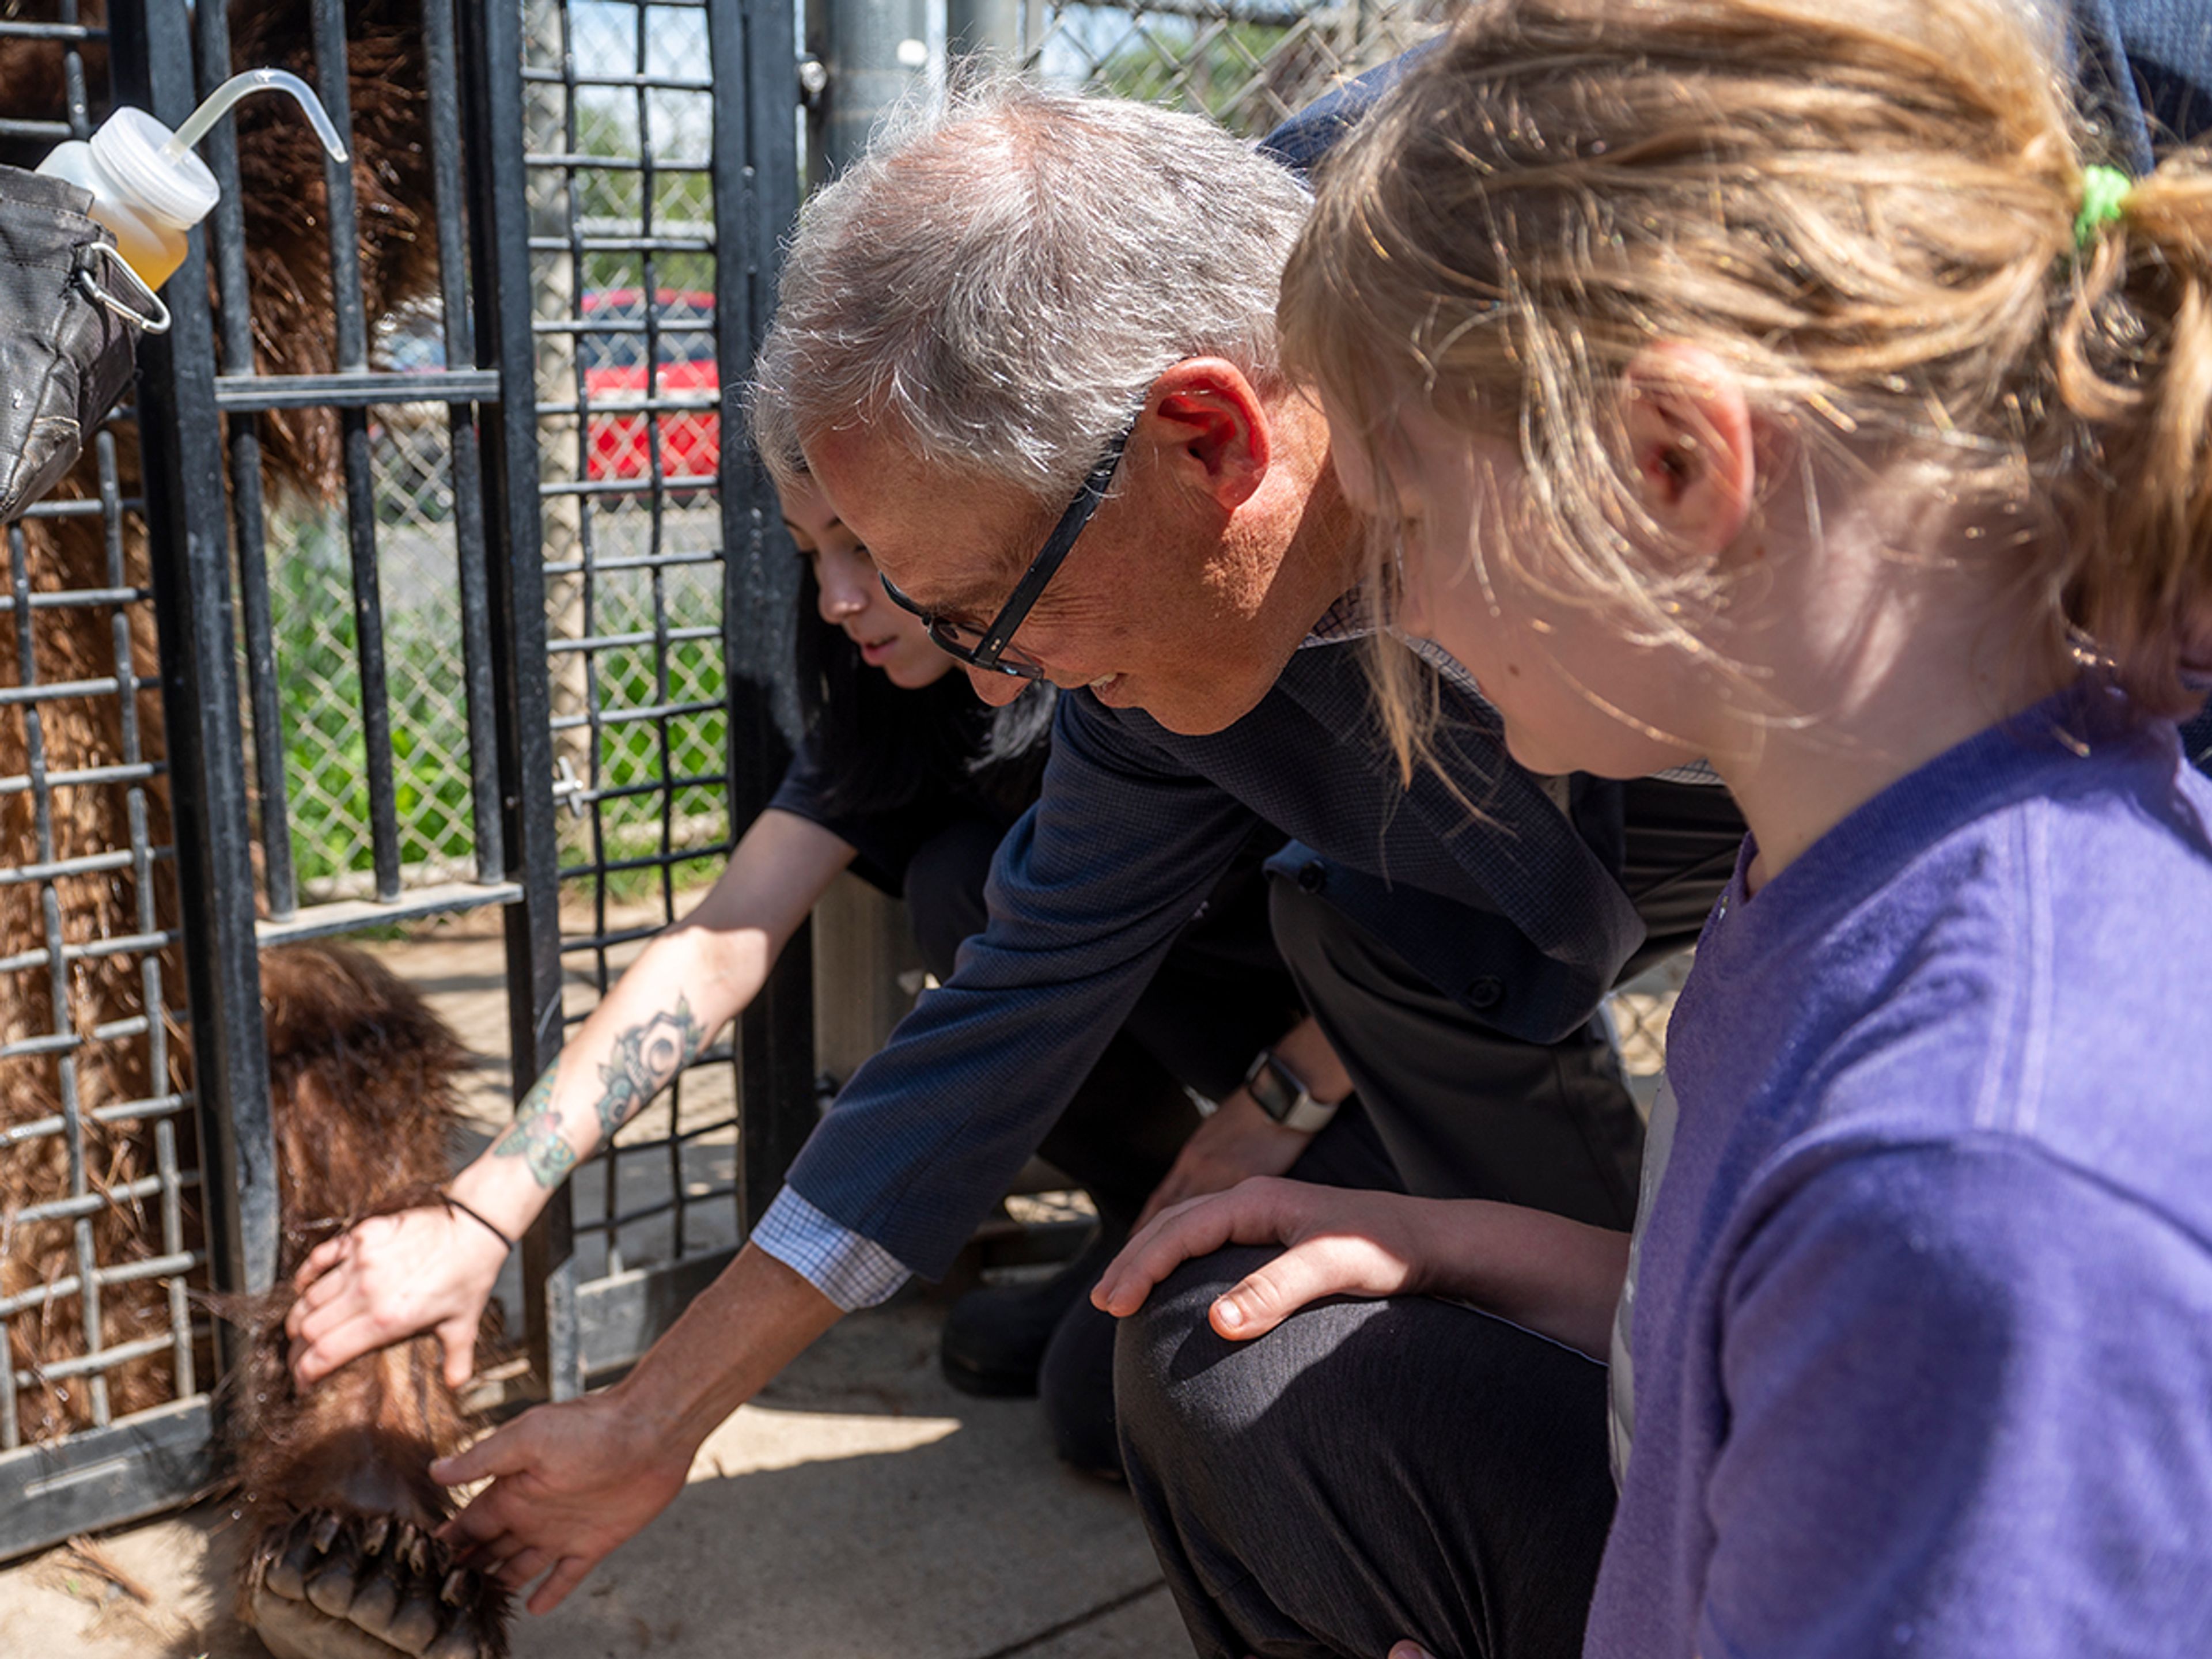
<point x="1782" y="383"/>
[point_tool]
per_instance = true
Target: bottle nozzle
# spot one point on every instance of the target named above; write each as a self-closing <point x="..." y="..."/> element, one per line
<point x="239" y="85"/>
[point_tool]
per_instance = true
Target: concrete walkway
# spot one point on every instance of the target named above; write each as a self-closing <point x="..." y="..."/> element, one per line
<point x="861" y="1507"/>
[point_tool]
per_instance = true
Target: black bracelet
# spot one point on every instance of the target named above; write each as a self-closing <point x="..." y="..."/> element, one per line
<point x="453" y="1203"/>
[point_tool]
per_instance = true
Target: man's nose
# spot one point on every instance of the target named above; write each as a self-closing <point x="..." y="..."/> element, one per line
<point x="997" y="689"/>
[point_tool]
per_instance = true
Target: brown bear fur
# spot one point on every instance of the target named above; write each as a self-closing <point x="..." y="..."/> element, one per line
<point x="337" y="1478"/>
<point x="282" y="193"/>
<point x="361" y="1071"/>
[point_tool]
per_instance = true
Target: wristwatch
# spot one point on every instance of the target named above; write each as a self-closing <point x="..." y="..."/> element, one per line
<point x="1283" y="1097"/>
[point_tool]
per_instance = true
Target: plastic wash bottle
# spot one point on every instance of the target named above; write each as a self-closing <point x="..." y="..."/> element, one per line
<point x="147" y="184"/>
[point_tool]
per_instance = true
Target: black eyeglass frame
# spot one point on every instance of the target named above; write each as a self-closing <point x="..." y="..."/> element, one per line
<point x="989" y="652"/>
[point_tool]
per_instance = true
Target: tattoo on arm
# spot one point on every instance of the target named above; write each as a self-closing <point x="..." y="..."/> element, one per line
<point x="643" y="1061"/>
<point x="535" y="1135"/>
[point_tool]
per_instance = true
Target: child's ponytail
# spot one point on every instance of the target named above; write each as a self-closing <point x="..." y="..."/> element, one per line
<point x="2134" y="367"/>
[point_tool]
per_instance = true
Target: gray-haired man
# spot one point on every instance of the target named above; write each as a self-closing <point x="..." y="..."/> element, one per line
<point x="1028" y="354"/>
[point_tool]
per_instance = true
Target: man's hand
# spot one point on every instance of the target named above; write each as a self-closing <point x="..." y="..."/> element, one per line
<point x="1238" y="1141"/>
<point x="1341" y="1243"/>
<point x="388" y="1279"/>
<point x="568" y="1483"/>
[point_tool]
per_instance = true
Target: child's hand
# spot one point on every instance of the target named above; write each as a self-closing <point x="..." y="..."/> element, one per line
<point x="1341" y="1243"/>
<point x="388" y="1279"/>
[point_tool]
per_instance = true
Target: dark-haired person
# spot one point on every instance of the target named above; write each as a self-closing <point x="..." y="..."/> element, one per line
<point x="909" y="780"/>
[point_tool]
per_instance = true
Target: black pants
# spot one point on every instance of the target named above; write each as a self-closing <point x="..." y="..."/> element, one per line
<point x="1364" y="1473"/>
<point x="1454" y="1108"/>
<point x="1446" y="1107"/>
<point x="1373" y="1471"/>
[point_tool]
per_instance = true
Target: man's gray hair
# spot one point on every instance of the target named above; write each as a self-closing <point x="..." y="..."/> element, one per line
<point x="1001" y="281"/>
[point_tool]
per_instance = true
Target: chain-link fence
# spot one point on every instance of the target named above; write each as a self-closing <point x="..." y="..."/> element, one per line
<point x="625" y="326"/>
<point x="318" y="658"/>
<point x="1248" y="63"/>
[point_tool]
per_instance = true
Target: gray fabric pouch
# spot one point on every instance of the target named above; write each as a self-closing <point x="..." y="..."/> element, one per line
<point x="70" y="315"/>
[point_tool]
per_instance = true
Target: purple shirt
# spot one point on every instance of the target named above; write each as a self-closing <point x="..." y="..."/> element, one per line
<point x="1923" y="1333"/>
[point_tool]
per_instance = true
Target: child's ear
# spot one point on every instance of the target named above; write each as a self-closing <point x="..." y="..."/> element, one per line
<point x="1690" y="443"/>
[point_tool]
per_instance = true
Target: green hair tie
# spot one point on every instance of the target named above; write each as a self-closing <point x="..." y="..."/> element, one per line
<point x="2103" y="198"/>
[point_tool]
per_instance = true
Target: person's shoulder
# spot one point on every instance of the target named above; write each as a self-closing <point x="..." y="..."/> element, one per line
<point x="2076" y="904"/>
<point x="1302" y="140"/>
<point x="2107" y="890"/>
<point x="2040" y="972"/>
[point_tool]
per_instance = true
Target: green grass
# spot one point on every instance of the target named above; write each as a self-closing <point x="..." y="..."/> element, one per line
<point x="327" y="769"/>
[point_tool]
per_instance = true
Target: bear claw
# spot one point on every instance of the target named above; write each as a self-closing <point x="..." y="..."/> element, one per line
<point x="331" y="1585"/>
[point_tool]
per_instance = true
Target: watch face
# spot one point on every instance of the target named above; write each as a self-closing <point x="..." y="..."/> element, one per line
<point x="1268" y="1088"/>
<point x="1283" y="1096"/>
<point x="1274" y="1089"/>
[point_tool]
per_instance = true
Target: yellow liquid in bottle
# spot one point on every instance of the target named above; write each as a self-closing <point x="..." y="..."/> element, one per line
<point x="148" y="246"/>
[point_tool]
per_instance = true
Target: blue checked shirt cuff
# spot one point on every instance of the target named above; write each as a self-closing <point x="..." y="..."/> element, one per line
<point x="852" y="1271"/>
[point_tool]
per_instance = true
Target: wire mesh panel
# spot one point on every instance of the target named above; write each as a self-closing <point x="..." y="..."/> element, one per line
<point x="1248" y="63"/>
<point x="664" y="605"/>
<point x="348" y="372"/>
<point x="104" y="1363"/>
<point x="316" y="642"/>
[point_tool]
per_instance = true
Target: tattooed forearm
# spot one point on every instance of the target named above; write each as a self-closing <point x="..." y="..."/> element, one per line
<point x="535" y="1135"/>
<point x="643" y="1061"/>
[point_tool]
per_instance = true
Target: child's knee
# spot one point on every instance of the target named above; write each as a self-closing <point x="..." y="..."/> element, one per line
<point x="1175" y="1378"/>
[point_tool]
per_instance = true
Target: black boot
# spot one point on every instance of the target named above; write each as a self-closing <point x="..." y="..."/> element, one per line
<point x="995" y="1336"/>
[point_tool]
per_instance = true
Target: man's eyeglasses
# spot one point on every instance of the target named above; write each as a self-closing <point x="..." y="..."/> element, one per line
<point x="986" y="647"/>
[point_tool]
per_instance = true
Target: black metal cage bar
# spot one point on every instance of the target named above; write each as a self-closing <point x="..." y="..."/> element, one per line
<point x="756" y="185"/>
<point x="656" y="196"/>
<point x="611" y="587"/>
<point x="492" y="109"/>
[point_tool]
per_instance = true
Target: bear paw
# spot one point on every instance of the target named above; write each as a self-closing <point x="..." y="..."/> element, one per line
<point x="332" y="1585"/>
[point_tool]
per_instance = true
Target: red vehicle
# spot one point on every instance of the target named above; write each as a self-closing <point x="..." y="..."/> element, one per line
<point x="614" y="366"/>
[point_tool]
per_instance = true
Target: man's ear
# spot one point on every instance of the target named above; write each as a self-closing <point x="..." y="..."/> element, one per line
<point x="1690" y="444"/>
<point x="1205" y="423"/>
